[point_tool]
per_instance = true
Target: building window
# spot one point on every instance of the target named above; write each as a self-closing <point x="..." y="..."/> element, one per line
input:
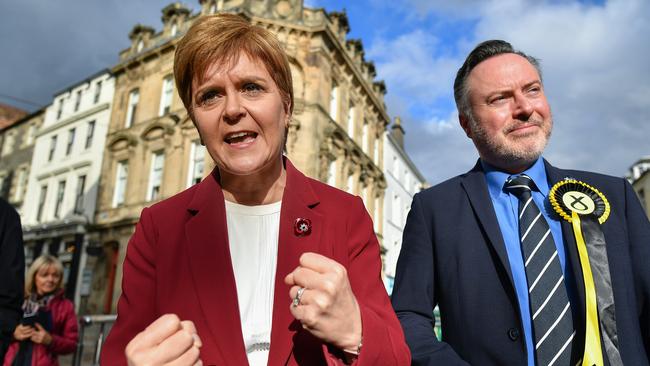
<point x="50" y="156"/>
<point x="404" y="215"/>
<point x="31" y="134"/>
<point x="120" y="183"/>
<point x="395" y="167"/>
<point x="213" y="8"/>
<point x="397" y="206"/>
<point x="376" y="148"/>
<point x="21" y="182"/>
<point x="174" y="29"/>
<point x="140" y="46"/>
<point x="41" y="203"/>
<point x="365" y="137"/>
<point x="90" y="131"/>
<point x="59" y="199"/>
<point x="59" y="110"/>
<point x="79" y="197"/>
<point x="132" y="107"/>
<point x="98" y="91"/>
<point x="77" y="100"/>
<point x="8" y="145"/>
<point x="331" y="174"/>
<point x="68" y="148"/>
<point x="197" y="164"/>
<point x="155" y="175"/>
<point x="166" y="97"/>
<point x="375" y="214"/>
<point x="351" y="118"/>
<point x="334" y="100"/>
<point x="350" y="183"/>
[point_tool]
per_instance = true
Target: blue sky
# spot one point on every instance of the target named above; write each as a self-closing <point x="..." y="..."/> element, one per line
<point x="594" y="56"/>
<point x="594" y="59"/>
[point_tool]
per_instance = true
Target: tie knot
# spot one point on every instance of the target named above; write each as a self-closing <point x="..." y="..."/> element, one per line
<point x="520" y="186"/>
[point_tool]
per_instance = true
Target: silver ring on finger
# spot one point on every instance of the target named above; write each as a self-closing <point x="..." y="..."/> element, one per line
<point x="296" y="300"/>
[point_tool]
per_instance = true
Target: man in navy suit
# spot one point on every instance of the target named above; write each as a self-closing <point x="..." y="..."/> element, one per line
<point x="465" y="242"/>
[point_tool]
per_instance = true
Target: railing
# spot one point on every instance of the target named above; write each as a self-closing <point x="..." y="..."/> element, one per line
<point x="85" y="321"/>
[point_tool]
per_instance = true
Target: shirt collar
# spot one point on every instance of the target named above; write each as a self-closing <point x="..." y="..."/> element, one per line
<point x="496" y="178"/>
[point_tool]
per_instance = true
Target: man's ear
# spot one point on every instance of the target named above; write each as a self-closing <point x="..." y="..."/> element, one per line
<point x="464" y="124"/>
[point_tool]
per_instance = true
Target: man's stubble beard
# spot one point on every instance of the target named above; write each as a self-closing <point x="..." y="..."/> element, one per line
<point x="507" y="154"/>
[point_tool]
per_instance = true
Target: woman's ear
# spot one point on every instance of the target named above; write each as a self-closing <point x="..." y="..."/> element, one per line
<point x="287" y="107"/>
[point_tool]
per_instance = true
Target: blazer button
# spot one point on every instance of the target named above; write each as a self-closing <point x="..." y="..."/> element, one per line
<point x="513" y="334"/>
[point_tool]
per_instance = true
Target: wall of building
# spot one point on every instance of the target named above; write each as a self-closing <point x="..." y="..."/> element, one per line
<point x="403" y="180"/>
<point x="16" y="150"/>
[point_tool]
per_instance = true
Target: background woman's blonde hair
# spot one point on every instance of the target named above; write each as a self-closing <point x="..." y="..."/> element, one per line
<point x="222" y="38"/>
<point x="43" y="261"/>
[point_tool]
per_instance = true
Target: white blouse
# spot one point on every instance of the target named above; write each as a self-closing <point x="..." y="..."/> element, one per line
<point x="253" y="236"/>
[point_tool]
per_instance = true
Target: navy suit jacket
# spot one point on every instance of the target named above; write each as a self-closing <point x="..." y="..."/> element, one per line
<point x="12" y="274"/>
<point x="453" y="256"/>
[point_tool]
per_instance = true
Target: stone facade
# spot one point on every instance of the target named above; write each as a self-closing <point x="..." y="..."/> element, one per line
<point x="153" y="150"/>
<point x="16" y="149"/>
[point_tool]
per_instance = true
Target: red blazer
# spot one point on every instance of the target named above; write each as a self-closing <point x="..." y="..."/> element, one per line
<point x="64" y="334"/>
<point x="178" y="261"/>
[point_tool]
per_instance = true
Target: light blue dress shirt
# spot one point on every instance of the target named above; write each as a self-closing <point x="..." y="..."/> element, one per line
<point x="506" y="207"/>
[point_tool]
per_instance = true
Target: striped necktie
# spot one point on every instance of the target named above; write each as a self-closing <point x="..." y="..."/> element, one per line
<point x="549" y="304"/>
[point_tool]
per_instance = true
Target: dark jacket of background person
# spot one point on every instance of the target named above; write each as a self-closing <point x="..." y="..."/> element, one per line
<point x="12" y="273"/>
<point x="64" y="334"/>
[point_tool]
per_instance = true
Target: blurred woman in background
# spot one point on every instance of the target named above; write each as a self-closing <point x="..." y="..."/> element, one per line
<point x="49" y="324"/>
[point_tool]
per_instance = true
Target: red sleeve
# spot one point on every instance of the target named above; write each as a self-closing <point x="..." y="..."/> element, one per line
<point x="136" y="308"/>
<point x="66" y="342"/>
<point x="383" y="339"/>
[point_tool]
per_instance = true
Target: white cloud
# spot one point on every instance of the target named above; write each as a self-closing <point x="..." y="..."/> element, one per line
<point x="439" y="147"/>
<point x="596" y="75"/>
<point x="412" y="67"/>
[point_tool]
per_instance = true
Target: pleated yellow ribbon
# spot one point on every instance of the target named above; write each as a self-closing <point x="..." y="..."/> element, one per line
<point x="593" y="354"/>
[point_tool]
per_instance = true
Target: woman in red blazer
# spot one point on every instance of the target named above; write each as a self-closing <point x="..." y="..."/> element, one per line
<point x="49" y="325"/>
<point x="186" y="270"/>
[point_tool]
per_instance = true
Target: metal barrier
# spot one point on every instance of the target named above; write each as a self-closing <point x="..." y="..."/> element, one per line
<point x="84" y="322"/>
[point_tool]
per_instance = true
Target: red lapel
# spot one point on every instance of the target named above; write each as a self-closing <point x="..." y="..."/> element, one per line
<point x="297" y="202"/>
<point x="214" y="280"/>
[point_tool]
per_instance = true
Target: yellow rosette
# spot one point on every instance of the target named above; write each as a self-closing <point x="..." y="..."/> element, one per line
<point x="572" y="199"/>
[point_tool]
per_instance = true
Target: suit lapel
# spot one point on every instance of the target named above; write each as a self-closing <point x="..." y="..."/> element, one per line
<point x="211" y="267"/>
<point x="297" y="202"/>
<point x="476" y="188"/>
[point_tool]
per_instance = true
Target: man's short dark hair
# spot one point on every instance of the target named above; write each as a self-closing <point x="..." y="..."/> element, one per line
<point x="482" y="52"/>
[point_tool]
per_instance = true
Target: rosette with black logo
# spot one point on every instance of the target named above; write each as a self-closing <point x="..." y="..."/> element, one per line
<point x="586" y="208"/>
<point x="571" y="195"/>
